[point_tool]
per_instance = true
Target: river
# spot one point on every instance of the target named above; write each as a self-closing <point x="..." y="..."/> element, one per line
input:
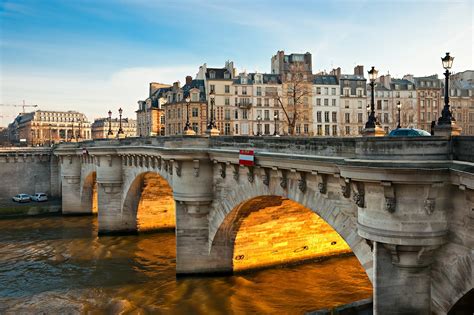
<point x="58" y="265"/>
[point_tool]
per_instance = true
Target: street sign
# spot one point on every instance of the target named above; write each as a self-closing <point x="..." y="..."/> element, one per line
<point x="246" y="157"/>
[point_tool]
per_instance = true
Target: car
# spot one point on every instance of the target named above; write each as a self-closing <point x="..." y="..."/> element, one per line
<point x="39" y="197"/>
<point x="408" y="132"/>
<point x="22" y="198"/>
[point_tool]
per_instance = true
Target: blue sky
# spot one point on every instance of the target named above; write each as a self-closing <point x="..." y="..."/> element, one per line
<point x="93" y="56"/>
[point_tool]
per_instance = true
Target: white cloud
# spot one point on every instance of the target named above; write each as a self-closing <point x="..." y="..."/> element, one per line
<point x="91" y="95"/>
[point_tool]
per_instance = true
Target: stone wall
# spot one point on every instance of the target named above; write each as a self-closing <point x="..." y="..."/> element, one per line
<point x="26" y="172"/>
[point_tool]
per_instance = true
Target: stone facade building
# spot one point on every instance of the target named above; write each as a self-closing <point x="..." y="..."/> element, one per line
<point x="353" y="111"/>
<point x="461" y="99"/>
<point x="47" y="127"/>
<point x="326" y="105"/>
<point x="175" y="106"/>
<point x="429" y="94"/>
<point x="150" y="114"/>
<point x="100" y="127"/>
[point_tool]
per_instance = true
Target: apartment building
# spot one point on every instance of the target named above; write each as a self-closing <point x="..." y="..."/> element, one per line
<point x="461" y="100"/>
<point x="326" y="94"/>
<point x="353" y="96"/>
<point x="429" y="100"/>
<point x="100" y="127"/>
<point x="150" y="114"/>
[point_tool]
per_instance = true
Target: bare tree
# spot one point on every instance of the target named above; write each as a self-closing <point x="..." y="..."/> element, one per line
<point x="296" y="95"/>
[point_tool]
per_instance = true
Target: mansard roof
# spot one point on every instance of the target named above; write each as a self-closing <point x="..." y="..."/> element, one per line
<point x="326" y="80"/>
<point x="219" y="74"/>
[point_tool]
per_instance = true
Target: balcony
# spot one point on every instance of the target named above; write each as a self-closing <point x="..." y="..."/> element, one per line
<point x="244" y="105"/>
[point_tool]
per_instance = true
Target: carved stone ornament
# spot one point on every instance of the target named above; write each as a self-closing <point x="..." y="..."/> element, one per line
<point x="235" y="172"/>
<point x="430" y="206"/>
<point x="390" y="204"/>
<point x="302" y="184"/>
<point x="178" y="166"/>
<point x="196" y="168"/>
<point x="283" y="179"/>
<point x="322" y="187"/>
<point x="346" y="190"/>
<point x="250" y="175"/>
<point x="266" y="177"/>
<point x="222" y="170"/>
<point x="359" y="199"/>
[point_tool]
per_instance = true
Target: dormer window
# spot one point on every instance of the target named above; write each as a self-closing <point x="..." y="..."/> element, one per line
<point x="244" y="80"/>
<point x="226" y="75"/>
<point x="194" y="97"/>
<point x="212" y="75"/>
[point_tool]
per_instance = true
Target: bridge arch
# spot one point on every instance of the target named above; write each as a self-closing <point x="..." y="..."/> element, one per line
<point x="149" y="203"/>
<point x="338" y="213"/>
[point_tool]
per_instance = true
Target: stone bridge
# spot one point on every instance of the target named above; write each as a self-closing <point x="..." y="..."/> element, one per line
<point x="404" y="207"/>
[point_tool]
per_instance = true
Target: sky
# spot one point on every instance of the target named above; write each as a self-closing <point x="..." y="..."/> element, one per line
<point x="96" y="55"/>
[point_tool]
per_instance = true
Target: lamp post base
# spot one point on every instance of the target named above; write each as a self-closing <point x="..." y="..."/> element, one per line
<point x="189" y="132"/>
<point x="447" y="130"/>
<point x="213" y="132"/>
<point x="373" y="132"/>
<point x="120" y="135"/>
<point x="110" y="136"/>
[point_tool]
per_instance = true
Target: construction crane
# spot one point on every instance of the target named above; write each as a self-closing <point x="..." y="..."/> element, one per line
<point x="20" y="105"/>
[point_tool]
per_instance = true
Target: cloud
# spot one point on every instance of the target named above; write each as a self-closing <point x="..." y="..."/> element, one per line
<point x="88" y="94"/>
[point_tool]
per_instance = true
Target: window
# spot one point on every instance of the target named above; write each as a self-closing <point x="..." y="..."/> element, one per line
<point x="227" y="114"/>
<point x="236" y="114"/>
<point x="266" y="114"/>
<point x="236" y="129"/>
<point x="359" y="92"/>
<point x="326" y="130"/>
<point x="348" y="130"/>
<point x="346" y="92"/>
<point x="267" y="129"/>
<point x="326" y="102"/>
<point x="179" y="112"/>
<point x="259" y="91"/>
<point x="359" y="117"/>
<point x="267" y="102"/>
<point x="306" y="128"/>
<point x="326" y="91"/>
<point x="318" y="90"/>
<point x="347" y="118"/>
<point x="227" y="101"/>
<point x="244" y="90"/>
<point x="227" y="129"/>
<point x="346" y="104"/>
<point x="319" y="130"/>
<point x="359" y="129"/>
<point x="213" y="88"/>
<point x="227" y="88"/>
<point x="259" y="101"/>
<point x="379" y="104"/>
<point x="212" y="75"/>
<point x="226" y="75"/>
<point x="326" y="116"/>
<point x="359" y="104"/>
<point x="334" y="130"/>
<point x="195" y="112"/>
<point x="333" y="91"/>
<point x="194" y="97"/>
<point x="236" y="90"/>
<point x="195" y="127"/>
<point x="318" y="117"/>
<point x="334" y="117"/>
<point x="318" y="102"/>
<point x="397" y="94"/>
<point x="333" y="102"/>
<point x="244" y="114"/>
<point x="385" y="118"/>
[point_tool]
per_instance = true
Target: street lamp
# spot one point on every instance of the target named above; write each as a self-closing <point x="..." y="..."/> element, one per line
<point x="372" y="120"/>
<point x="32" y="138"/>
<point x="446" y="116"/>
<point x="212" y="124"/>
<point x="399" y="107"/>
<point x="110" y="133"/>
<point x="259" y="121"/>
<point x="50" y="141"/>
<point x="275" y="118"/>
<point x="72" y="136"/>
<point x="120" y="131"/>
<point x="368" y="111"/>
<point x="187" y="126"/>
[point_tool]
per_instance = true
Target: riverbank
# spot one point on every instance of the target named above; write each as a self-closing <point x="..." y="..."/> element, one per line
<point x="9" y="208"/>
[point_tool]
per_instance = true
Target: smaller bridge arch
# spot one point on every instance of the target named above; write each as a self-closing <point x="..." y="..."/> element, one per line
<point x="89" y="196"/>
<point x="149" y="204"/>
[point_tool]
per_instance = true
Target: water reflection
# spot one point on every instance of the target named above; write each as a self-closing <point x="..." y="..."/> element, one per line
<point x="58" y="265"/>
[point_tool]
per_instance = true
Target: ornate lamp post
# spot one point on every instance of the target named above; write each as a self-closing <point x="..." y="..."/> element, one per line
<point x="446" y="116"/>
<point x="275" y="118"/>
<point x="399" y="107"/>
<point x="371" y="122"/>
<point x="72" y="136"/>
<point x="187" y="128"/>
<point x="368" y="111"/>
<point x="211" y="127"/>
<point x="259" y="122"/>
<point x="50" y="136"/>
<point x="32" y="138"/>
<point x="79" y="136"/>
<point x="110" y="133"/>
<point x="120" y="131"/>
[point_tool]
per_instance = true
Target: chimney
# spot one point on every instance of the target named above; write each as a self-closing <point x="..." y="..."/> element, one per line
<point x="359" y="70"/>
<point x="189" y="79"/>
<point x="336" y="72"/>
<point x="176" y="85"/>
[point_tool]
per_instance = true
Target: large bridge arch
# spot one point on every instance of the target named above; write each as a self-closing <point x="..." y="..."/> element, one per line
<point x="148" y="203"/>
<point x="337" y="211"/>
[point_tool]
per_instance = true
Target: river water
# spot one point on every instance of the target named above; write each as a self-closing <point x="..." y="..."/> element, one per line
<point x="58" y="265"/>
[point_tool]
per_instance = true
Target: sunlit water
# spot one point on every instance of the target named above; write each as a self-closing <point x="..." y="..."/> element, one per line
<point x="58" y="265"/>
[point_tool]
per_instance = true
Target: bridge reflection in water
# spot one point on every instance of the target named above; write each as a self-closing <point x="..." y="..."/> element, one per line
<point x="59" y="265"/>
